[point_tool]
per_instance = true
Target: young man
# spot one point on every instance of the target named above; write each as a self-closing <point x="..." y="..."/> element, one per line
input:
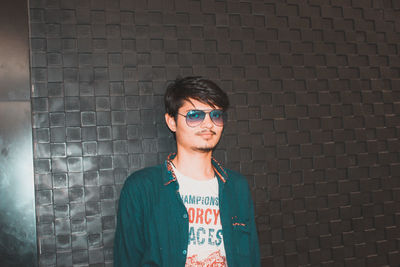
<point x="189" y="211"/>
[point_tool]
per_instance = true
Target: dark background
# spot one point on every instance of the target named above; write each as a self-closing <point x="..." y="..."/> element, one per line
<point x="314" y="123"/>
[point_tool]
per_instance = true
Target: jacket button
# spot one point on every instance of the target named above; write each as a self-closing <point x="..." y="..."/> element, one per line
<point x="184" y="252"/>
<point x="185" y="215"/>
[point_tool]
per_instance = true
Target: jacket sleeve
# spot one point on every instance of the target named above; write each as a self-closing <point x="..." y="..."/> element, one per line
<point x="129" y="240"/>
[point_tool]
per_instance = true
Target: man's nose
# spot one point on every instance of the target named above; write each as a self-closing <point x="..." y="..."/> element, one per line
<point x="207" y="122"/>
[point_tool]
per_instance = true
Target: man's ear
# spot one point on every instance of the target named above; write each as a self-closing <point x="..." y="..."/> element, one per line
<point x="171" y="123"/>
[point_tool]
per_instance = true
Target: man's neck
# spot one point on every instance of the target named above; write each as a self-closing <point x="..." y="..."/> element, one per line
<point x="196" y="165"/>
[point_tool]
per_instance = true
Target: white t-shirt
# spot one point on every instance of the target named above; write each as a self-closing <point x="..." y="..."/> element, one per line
<point x="206" y="244"/>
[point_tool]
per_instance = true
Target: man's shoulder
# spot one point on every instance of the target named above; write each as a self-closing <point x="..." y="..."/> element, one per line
<point x="236" y="178"/>
<point x="148" y="176"/>
<point x="237" y="188"/>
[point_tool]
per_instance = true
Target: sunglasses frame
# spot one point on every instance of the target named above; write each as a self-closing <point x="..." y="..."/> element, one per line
<point x="204" y="114"/>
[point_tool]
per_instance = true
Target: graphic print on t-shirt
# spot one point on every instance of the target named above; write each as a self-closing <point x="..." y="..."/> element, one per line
<point x="205" y="244"/>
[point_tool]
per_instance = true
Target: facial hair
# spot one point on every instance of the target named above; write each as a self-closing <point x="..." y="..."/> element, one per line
<point x="205" y="149"/>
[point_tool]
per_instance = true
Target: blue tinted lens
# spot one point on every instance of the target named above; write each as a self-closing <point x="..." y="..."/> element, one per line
<point x="195" y="117"/>
<point x="218" y="117"/>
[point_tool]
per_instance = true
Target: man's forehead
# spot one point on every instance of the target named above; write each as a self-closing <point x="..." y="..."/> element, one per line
<point x="197" y="104"/>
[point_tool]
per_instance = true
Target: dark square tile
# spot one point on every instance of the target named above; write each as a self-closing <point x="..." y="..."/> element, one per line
<point x="40" y="120"/>
<point x="60" y="196"/>
<point x="107" y="207"/>
<point x="108" y="222"/>
<point x="56" y="104"/>
<point x="80" y="256"/>
<point x="87" y="103"/>
<point x="57" y="135"/>
<point x="106" y="177"/>
<point x="89" y="133"/>
<point x="104" y="133"/>
<point x="62" y="227"/>
<point x="120" y="175"/>
<point x="119" y="132"/>
<point x="103" y="118"/>
<point x="105" y="148"/>
<point x="118" y="117"/>
<point x="42" y="150"/>
<point x="41" y="135"/>
<point x="91" y="178"/>
<point x="117" y="103"/>
<point x="93" y="223"/>
<point x="106" y="192"/>
<point x="96" y="256"/>
<point x="59" y="165"/>
<point x="71" y="87"/>
<point x="61" y="211"/>
<point x="108" y="234"/>
<point x="134" y="146"/>
<point x="72" y="103"/>
<point x="90" y="148"/>
<point x="58" y="149"/>
<point x="78" y="222"/>
<point x="79" y="242"/>
<point x="133" y="132"/>
<point x="94" y="240"/>
<point x="105" y="162"/>
<point x="74" y="164"/>
<point x="88" y="118"/>
<point x="41" y="165"/>
<point x="116" y="89"/>
<point x="60" y="180"/>
<point x="43" y="181"/>
<point x="76" y="194"/>
<point x="73" y="119"/>
<point x="86" y="89"/>
<point x="73" y="134"/>
<point x="120" y="161"/>
<point x="100" y="59"/>
<point x="57" y="119"/>
<point x="70" y="60"/>
<point x="75" y="179"/>
<point x="120" y="147"/>
<point x="103" y="103"/>
<point x="90" y="164"/>
<point x="48" y="244"/>
<point x="45" y="212"/>
<point x="44" y="197"/>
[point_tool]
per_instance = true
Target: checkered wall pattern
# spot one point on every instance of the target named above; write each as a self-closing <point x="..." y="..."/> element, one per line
<point x="314" y="123"/>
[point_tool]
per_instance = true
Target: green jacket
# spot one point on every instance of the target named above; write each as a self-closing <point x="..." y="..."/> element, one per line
<point x="152" y="223"/>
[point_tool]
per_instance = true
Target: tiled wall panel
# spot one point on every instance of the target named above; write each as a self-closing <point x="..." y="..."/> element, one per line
<point x="314" y="123"/>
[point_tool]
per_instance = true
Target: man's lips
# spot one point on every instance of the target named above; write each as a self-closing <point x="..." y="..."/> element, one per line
<point x="206" y="133"/>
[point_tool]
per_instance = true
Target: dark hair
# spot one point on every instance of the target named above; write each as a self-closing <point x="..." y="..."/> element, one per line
<point x="197" y="88"/>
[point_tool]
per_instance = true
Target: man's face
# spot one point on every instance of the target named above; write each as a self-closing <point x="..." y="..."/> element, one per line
<point x="201" y="138"/>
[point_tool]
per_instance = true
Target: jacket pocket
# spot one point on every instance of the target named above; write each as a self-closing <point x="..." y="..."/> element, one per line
<point x="241" y="232"/>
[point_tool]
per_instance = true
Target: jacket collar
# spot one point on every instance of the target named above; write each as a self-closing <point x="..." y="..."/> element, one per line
<point x="171" y="177"/>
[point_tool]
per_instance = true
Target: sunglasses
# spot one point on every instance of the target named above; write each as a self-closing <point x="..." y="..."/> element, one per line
<point x="195" y="117"/>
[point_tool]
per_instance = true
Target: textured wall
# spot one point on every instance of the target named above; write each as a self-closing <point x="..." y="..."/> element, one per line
<point x="314" y="123"/>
